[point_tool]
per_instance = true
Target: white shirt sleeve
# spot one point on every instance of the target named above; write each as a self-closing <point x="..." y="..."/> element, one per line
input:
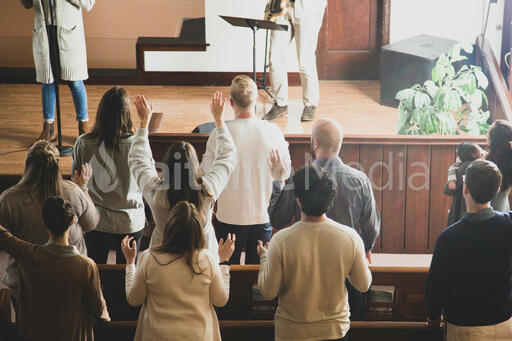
<point x="219" y="286"/>
<point x="142" y="166"/>
<point x="136" y="288"/>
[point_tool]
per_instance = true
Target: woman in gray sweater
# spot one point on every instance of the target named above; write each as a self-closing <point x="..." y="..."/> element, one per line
<point x="67" y="25"/>
<point x="113" y="189"/>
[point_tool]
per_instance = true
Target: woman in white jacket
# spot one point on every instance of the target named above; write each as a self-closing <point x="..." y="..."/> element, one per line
<point x="178" y="282"/>
<point x="68" y="24"/>
<point x="182" y="179"/>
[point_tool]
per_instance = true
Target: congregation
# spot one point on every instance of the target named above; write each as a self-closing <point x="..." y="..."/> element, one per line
<point x="311" y="230"/>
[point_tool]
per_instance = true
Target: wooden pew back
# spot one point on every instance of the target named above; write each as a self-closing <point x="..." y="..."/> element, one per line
<point x="408" y="174"/>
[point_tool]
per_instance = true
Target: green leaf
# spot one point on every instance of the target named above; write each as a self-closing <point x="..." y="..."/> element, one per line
<point x="421" y="100"/>
<point x="431" y="88"/>
<point x="452" y="101"/>
<point x="404" y="94"/>
<point x="416" y="117"/>
<point x="476" y="100"/>
<point x="468" y="48"/>
<point x="458" y="59"/>
<point x="483" y="82"/>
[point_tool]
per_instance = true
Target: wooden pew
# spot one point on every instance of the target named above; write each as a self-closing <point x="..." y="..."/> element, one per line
<point x="408" y="175"/>
<point x="264" y="331"/>
<point x="243" y="304"/>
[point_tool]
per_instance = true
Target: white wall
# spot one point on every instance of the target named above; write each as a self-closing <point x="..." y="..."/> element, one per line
<point x="461" y="20"/>
<point x="230" y="48"/>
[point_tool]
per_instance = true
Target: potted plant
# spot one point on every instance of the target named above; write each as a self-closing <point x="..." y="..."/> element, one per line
<point x="449" y="104"/>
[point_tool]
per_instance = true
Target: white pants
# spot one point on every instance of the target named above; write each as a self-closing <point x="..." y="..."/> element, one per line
<point x="497" y="332"/>
<point x="305" y="31"/>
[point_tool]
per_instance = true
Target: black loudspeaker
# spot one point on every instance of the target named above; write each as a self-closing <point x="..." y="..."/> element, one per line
<point x="408" y="62"/>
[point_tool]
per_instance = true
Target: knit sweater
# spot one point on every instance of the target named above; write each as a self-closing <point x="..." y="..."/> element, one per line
<point x="21" y="214"/>
<point x="470" y="276"/>
<point x="177" y="304"/>
<point x="70" y="39"/>
<point x="112" y="187"/>
<point x="59" y="295"/>
<point x="154" y="188"/>
<point x="305" y="267"/>
<point x="245" y="199"/>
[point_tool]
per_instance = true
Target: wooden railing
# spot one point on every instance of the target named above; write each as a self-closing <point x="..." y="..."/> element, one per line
<point x="500" y="100"/>
<point x="408" y="176"/>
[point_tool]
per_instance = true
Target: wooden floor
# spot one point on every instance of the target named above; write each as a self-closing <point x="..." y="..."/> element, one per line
<point x="352" y="103"/>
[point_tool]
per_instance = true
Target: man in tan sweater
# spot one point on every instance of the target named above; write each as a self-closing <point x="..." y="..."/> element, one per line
<point x="306" y="266"/>
<point x="59" y="296"/>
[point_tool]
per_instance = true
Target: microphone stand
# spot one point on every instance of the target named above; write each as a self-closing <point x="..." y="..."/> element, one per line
<point x="55" y="66"/>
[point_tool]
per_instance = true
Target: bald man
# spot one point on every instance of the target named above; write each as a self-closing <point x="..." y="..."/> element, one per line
<point x="353" y="206"/>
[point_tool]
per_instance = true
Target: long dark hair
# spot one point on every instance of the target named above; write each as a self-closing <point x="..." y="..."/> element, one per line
<point x="113" y="118"/>
<point x="185" y="182"/>
<point x="500" y="136"/>
<point x="183" y="234"/>
<point x="42" y="171"/>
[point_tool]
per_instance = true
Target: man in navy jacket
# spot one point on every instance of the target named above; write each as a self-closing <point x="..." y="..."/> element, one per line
<point x="470" y="278"/>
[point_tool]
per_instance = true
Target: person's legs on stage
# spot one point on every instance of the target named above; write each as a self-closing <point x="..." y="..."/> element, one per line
<point x="48" y="97"/>
<point x="80" y="99"/>
<point x="278" y="72"/>
<point x="306" y="39"/>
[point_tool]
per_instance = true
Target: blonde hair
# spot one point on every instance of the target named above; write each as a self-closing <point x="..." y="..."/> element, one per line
<point x="244" y="92"/>
<point x="42" y="172"/>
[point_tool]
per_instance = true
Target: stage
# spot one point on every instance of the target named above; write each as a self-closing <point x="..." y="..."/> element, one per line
<point x="354" y="104"/>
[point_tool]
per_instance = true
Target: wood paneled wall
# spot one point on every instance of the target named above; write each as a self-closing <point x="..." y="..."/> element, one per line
<point x="408" y="176"/>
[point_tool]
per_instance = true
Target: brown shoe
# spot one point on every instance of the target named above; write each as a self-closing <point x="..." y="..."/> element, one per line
<point x="308" y="114"/>
<point x="82" y="128"/>
<point x="275" y="112"/>
<point x="47" y="133"/>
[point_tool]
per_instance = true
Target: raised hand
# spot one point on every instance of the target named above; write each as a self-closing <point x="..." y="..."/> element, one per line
<point x="144" y="110"/>
<point x="262" y="248"/>
<point x="217" y="108"/>
<point x="276" y="165"/>
<point x="226" y="248"/>
<point x="82" y="178"/>
<point x="130" y="253"/>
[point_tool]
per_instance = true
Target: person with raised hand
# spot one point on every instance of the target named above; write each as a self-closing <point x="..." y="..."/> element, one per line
<point x="242" y="206"/>
<point x="21" y="205"/>
<point x="179" y="281"/>
<point x="59" y="296"/>
<point x="183" y="179"/>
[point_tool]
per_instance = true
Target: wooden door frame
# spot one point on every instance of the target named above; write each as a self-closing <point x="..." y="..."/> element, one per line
<point x="383" y="30"/>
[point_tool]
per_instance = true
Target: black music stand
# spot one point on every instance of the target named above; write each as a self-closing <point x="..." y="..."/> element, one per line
<point x="255" y="25"/>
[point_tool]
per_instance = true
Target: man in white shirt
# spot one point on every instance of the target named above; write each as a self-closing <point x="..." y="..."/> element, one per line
<point x="304" y="18"/>
<point x="306" y="265"/>
<point x="242" y="206"/>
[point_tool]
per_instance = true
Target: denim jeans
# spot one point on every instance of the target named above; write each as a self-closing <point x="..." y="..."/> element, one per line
<point x="79" y="98"/>
<point x="246" y="235"/>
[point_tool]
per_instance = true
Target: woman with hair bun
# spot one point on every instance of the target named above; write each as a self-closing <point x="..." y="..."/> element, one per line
<point x="21" y="205"/>
<point x="178" y="282"/>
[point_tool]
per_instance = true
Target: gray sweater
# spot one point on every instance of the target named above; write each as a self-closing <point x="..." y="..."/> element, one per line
<point x="70" y="37"/>
<point x="113" y="189"/>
